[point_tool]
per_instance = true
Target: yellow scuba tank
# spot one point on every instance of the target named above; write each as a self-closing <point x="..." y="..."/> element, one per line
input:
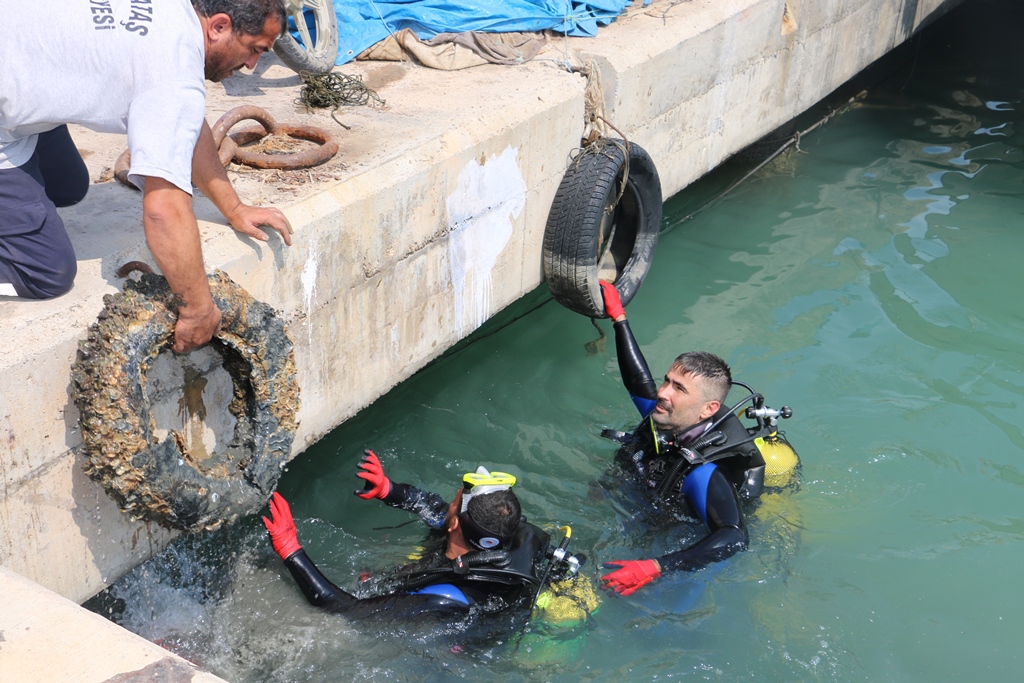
<point x="567" y="602"/>
<point x="780" y="460"/>
<point x="569" y="598"/>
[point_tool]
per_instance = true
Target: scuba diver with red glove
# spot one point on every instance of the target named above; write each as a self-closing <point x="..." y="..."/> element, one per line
<point x="690" y="453"/>
<point x="489" y="557"/>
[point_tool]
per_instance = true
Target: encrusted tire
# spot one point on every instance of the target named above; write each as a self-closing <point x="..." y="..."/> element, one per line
<point x="162" y="481"/>
<point x="603" y="225"/>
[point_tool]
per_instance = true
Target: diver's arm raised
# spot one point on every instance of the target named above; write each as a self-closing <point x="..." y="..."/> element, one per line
<point x="431" y="508"/>
<point x="319" y="591"/>
<point x="636" y="376"/>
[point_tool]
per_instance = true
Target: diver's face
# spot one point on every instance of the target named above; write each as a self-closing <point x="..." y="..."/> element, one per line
<point x="681" y="401"/>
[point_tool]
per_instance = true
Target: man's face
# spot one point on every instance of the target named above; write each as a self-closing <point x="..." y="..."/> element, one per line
<point x="681" y="401"/>
<point x="228" y="51"/>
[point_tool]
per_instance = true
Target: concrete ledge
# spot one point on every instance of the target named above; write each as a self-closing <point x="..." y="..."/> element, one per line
<point x="44" y="637"/>
<point x="428" y="222"/>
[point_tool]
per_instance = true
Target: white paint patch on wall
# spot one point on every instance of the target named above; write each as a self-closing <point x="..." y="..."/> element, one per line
<point x="480" y="213"/>
<point x="308" y="277"/>
<point x="394" y="344"/>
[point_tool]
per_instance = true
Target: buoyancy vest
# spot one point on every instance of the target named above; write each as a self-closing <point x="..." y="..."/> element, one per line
<point x="661" y="460"/>
<point x="499" y="571"/>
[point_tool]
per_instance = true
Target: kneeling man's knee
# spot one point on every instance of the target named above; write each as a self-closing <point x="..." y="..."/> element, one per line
<point x="58" y="279"/>
<point x="36" y="256"/>
<point x="69" y="194"/>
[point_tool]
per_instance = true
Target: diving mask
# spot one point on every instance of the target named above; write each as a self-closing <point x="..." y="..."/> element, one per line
<point x="483" y="482"/>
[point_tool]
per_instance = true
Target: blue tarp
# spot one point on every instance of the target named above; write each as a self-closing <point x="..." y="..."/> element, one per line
<point x="361" y="23"/>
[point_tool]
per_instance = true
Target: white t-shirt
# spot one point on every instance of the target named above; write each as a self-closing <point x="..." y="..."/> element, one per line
<point x="115" y="66"/>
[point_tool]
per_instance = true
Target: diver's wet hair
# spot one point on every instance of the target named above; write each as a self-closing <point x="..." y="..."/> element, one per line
<point x="499" y="511"/>
<point x="494" y="515"/>
<point x="247" y="16"/>
<point x="714" y="371"/>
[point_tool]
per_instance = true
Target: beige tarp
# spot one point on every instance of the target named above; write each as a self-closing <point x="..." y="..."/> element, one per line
<point x="452" y="51"/>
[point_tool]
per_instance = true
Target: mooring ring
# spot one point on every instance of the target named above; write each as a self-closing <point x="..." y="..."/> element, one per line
<point x="237" y="115"/>
<point x="328" y="144"/>
<point x="314" y="156"/>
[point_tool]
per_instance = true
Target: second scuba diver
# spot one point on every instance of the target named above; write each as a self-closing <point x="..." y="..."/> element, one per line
<point x="691" y="453"/>
<point x="489" y="557"/>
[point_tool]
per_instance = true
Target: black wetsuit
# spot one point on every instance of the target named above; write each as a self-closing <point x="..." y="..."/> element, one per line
<point x="704" y="471"/>
<point x="491" y="581"/>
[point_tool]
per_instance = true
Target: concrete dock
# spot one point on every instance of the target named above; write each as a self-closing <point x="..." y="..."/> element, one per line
<point x="427" y="223"/>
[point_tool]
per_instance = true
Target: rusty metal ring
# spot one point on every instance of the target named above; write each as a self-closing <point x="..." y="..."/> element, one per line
<point x="226" y="151"/>
<point x="231" y="143"/>
<point x="247" y="135"/>
<point x="239" y="114"/>
<point x="134" y="267"/>
<point x="328" y="147"/>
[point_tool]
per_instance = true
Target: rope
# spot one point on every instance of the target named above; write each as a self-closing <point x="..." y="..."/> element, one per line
<point x="596" y="125"/>
<point x="333" y="90"/>
<point x="593" y="103"/>
<point x="593" y="99"/>
<point x="792" y="141"/>
<point x="598" y="146"/>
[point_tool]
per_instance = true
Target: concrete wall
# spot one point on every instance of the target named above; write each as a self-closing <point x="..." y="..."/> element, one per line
<point x="433" y="224"/>
<point x="45" y="637"/>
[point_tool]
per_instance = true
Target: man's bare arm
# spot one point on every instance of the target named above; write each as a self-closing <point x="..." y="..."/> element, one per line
<point x="208" y="174"/>
<point x="173" y="236"/>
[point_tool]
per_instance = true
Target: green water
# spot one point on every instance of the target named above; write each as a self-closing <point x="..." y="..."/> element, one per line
<point x="870" y="282"/>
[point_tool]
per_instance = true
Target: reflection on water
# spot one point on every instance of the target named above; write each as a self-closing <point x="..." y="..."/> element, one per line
<point x="869" y="281"/>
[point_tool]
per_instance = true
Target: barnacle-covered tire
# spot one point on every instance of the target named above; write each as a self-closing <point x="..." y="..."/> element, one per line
<point x="161" y="480"/>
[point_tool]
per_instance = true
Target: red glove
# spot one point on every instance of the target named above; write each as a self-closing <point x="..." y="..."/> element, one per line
<point x="631" y="575"/>
<point x="377" y="485"/>
<point x="282" y="527"/>
<point x="612" y="302"/>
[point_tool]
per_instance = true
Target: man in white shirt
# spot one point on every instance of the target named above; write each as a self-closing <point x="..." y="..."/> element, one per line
<point x="122" y="66"/>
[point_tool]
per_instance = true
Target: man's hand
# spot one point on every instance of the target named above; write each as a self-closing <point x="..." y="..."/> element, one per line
<point x="209" y="175"/>
<point x="281" y="527"/>
<point x="197" y="324"/>
<point x="377" y="485"/>
<point x="248" y="220"/>
<point x="631" y="575"/>
<point x="612" y="302"/>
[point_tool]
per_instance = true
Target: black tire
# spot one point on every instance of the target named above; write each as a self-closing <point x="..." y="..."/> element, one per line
<point x="160" y="481"/>
<point x="592" y="233"/>
<point x="324" y="53"/>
